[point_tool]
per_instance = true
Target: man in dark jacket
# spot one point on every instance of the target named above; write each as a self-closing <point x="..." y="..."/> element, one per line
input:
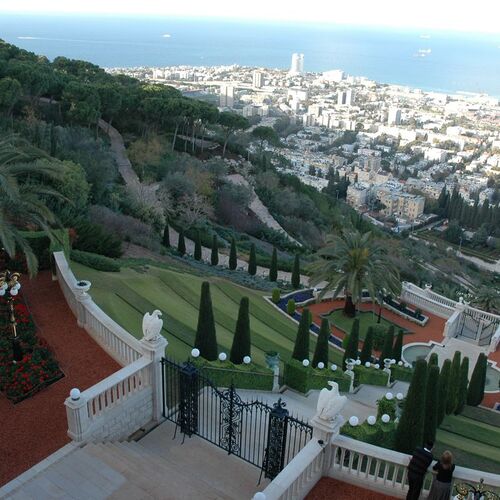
<point x="417" y="468"/>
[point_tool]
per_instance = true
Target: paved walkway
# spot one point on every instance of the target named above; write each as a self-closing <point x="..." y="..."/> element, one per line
<point x="36" y="427"/>
<point x="328" y="488"/>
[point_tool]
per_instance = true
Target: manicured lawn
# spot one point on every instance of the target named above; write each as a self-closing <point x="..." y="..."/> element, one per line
<point x="366" y="319"/>
<point x="127" y="295"/>
<point x="468" y="428"/>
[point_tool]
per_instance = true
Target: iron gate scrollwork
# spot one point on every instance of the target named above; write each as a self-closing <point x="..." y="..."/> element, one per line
<point x="263" y="435"/>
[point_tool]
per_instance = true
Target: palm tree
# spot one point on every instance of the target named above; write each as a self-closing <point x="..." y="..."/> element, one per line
<point x="23" y="190"/>
<point x="352" y="262"/>
<point x="487" y="299"/>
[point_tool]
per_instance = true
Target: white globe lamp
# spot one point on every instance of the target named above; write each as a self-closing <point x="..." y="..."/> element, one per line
<point x="321" y="365"/>
<point x="74" y="394"/>
<point x="222" y="356"/>
<point x="247" y="360"/>
<point x="371" y="420"/>
<point x="334" y="367"/>
<point x="389" y="396"/>
<point x="195" y="353"/>
<point x="305" y="363"/>
<point x="354" y="421"/>
<point x="385" y="418"/>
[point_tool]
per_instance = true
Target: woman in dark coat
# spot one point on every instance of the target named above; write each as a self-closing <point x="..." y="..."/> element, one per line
<point x="441" y="486"/>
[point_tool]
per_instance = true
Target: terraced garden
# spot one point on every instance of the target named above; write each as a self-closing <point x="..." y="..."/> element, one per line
<point x="127" y="295"/>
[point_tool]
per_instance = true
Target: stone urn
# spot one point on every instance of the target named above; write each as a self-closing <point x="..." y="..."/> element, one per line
<point x="272" y="359"/>
<point x="81" y="289"/>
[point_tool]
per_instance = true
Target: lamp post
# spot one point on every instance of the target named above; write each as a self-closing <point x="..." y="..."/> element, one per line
<point x="9" y="288"/>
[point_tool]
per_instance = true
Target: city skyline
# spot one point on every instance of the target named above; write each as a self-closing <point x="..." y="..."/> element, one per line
<point x="387" y="14"/>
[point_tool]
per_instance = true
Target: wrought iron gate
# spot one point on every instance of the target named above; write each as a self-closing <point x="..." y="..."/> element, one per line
<point x="263" y="435"/>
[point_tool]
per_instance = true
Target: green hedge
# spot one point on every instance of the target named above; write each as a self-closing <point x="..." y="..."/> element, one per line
<point x="225" y="373"/>
<point x="304" y="379"/>
<point x="401" y="373"/>
<point x="95" y="261"/>
<point x="369" y="376"/>
<point x="379" y="434"/>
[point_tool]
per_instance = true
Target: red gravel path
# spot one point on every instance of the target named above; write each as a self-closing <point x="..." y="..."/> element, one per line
<point x="328" y="488"/>
<point x="36" y="427"/>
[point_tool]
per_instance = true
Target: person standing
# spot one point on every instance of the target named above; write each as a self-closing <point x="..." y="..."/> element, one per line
<point x="441" y="486"/>
<point x="417" y="468"/>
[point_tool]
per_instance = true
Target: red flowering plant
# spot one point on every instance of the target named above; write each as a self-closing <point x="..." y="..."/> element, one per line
<point x="38" y="367"/>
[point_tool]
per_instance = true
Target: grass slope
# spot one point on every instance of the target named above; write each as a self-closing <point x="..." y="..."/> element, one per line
<point x="127" y="295"/>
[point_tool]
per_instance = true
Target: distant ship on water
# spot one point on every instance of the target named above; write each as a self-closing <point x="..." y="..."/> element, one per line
<point x="423" y="52"/>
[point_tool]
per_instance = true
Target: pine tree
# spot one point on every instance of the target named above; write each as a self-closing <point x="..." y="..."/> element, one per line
<point x="351" y="351"/>
<point x="433" y="359"/>
<point x="166" y="236"/>
<point x="241" y="341"/>
<point x="321" y="351"/>
<point x="398" y="347"/>
<point x="181" y="244"/>
<point x="214" y="257"/>
<point x="475" y="393"/>
<point x="444" y="382"/>
<point x="387" y="348"/>
<point x="366" y="351"/>
<point x="431" y="404"/>
<point x="301" y="348"/>
<point x="197" y="246"/>
<point x="273" y="270"/>
<point x="233" y="258"/>
<point x="252" y="261"/>
<point x="454" y="384"/>
<point x="206" y="339"/>
<point x="410" y="431"/>
<point x="296" y="272"/>
<point x="464" y="381"/>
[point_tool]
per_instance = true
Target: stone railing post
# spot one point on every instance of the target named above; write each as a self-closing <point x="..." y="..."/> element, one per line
<point x="78" y="416"/>
<point x="350" y="373"/>
<point x="155" y="350"/>
<point x="82" y="297"/>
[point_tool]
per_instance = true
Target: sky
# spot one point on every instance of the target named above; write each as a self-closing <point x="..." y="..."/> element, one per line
<point x="479" y="16"/>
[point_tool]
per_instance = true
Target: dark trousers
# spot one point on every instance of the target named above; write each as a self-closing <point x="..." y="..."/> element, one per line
<point x="415" y="483"/>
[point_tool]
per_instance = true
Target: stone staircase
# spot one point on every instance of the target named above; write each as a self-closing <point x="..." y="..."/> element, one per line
<point x="141" y="470"/>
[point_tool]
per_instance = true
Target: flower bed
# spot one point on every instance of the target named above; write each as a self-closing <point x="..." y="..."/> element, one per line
<point x="400" y="308"/>
<point x="38" y="367"/>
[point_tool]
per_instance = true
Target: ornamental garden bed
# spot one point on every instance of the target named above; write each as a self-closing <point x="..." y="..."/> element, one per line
<point x="403" y="310"/>
<point x="38" y="367"/>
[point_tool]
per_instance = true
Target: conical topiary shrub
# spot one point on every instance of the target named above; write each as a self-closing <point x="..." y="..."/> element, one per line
<point x="444" y="382"/>
<point x="273" y="270"/>
<point x="475" y="393"/>
<point x="351" y="350"/>
<point x="366" y="351"/>
<point x="431" y="404"/>
<point x="181" y="243"/>
<point x="197" y="246"/>
<point x="398" y="347"/>
<point x="321" y="351"/>
<point x="252" y="261"/>
<point x="166" y="236"/>
<point x="206" y="339"/>
<point x="214" y="257"/>
<point x="233" y="258"/>
<point x="241" y="342"/>
<point x="296" y="272"/>
<point x="301" y="348"/>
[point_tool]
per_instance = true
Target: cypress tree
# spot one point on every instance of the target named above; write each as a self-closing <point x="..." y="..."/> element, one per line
<point x="464" y="381"/>
<point x="301" y="348"/>
<point x="410" y="431"/>
<point x="352" y="344"/>
<point x="273" y="270"/>
<point x="166" y="236"/>
<point x="53" y="140"/>
<point x="444" y="382"/>
<point x="197" y="246"/>
<point x="398" y="346"/>
<point x="296" y="272"/>
<point x="241" y="341"/>
<point x="366" y="351"/>
<point x="475" y="393"/>
<point x="206" y="339"/>
<point x="181" y="244"/>
<point x="433" y="359"/>
<point x="321" y="351"/>
<point x="454" y="384"/>
<point x="387" y="348"/>
<point x="214" y="257"/>
<point x="252" y="261"/>
<point x="233" y="258"/>
<point x="431" y="404"/>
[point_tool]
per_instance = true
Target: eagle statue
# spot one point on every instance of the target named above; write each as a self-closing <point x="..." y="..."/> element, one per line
<point x="330" y="402"/>
<point x="152" y="325"/>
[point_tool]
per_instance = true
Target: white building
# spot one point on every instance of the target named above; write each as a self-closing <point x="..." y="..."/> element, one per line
<point x="226" y="99"/>
<point x="257" y="79"/>
<point x="345" y="97"/>
<point x="435" y="154"/>
<point x="394" y="117"/>
<point x="334" y="75"/>
<point x="297" y="66"/>
<point x="357" y="195"/>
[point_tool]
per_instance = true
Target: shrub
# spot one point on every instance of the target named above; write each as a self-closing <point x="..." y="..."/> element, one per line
<point x="366" y="351"/>
<point x="433" y="359"/>
<point x="95" y="261"/>
<point x="296" y="272"/>
<point x="197" y="246"/>
<point x="276" y="295"/>
<point x="379" y="334"/>
<point x="214" y="257"/>
<point x="379" y="434"/>
<point x="166" y="236"/>
<point x="233" y="257"/>
<point x="273" y="270"/>
<point x="352" y="345"/>
<point x="206" y="340"/>
<point x="241" y="346"/>
<point x="444" y="382"/>
<point x="301" y="348"/>
<point x="181" y="243"/>
<point x="401" y="373"/>
<point x="464" y="381"/>
<point x="252" y="261"/>
<point x="475" y="393"/>
<point x="398" y="346"/>
<point x="453" y="384"/>
<point x="431" y="404"/>
<point x="290" y="307"/>
<point x="321" y="351"/>
<point x="388" y="342"/>
<point x="95" y="238"/>
<point x="409" y="433"/>
<point x="369" y="376"/>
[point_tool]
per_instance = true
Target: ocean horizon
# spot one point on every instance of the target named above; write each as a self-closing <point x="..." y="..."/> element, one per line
<point x="447" y="62"/>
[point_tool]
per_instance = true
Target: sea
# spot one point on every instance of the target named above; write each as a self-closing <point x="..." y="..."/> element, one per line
<point x="447" y="62"/>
